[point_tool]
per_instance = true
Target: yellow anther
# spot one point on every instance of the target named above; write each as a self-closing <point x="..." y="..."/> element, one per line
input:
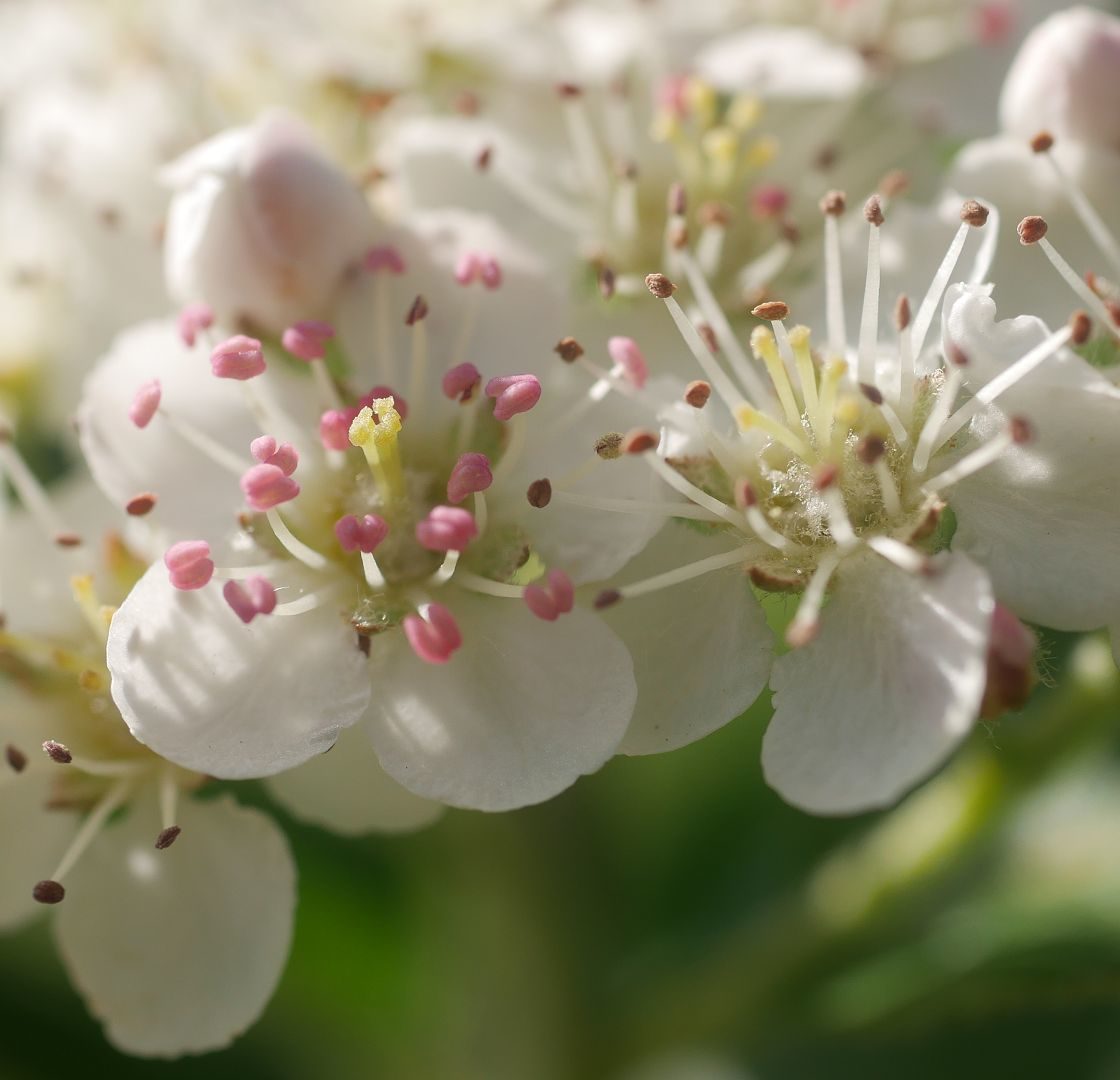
<point x="744" y="112"/>
<point x="665" y="126"/>
<point x="721" y="145"/>
<point x="766" y="349"/>
<point x="806" y="370"/>
<point x="761" y="152"/>
<point x="702" y="101"/>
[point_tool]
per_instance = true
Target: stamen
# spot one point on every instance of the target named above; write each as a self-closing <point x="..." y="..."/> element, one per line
<point x="168" y="803"/>
<point x="902" y="390"/>
<point x="748" y="417"/>
<point x="32" y="494"/>
<point x="334" y="429"/>
<point x="765" y="348"/>
<point x="267" y="486"/>
<point x="446" y="528"/>
<point x="268" y="452"/>
<point x="747" y="500"/>
<point x="486" y="587"/>
<point x="935" y="422"/>
<point x="307" y="340"/>
<point x="189" y="565"/>
<point x="798" y="339"/>
<point x="690" y="491"/>
<point x="539" y="493"/>
<point x="839" y="524"/>
<point x="461" y="382"/>
<point x="433" y="634"/>
<point x="1017" y="432"/>
<point x="97" y="615"/>
<point x="256" y="597"/>
<point x="145" y="402"/>
<point x="239" y="357"/>
<point x="167" y="837"/>
<point x="584" y="147"/>
<point x="16" y="758"/>
<point x="899" y="554"/>
<point x="354" y="535"/>
<point x="806" y="624"/>
<point x="551" y="601"/>
<point x="673" y="577"/>
<point x="832" y="205"/>
<point x="58" y="753"/>
<point x="293" y="545"/>
<point x="869" y="322"/>
<point x="470" y="474"/>
<point x="374" y="431"/>
<point x="418" y="381"/>
<point x="192" y="320"/>
<point x="627" y="357"/>
<point x="513" y="394"/>
<point x="142" y="504"/>
<point x="697" y="393"/>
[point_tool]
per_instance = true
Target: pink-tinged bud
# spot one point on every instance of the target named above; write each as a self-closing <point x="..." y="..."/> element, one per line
<point x="513" y="394"/>
<point x="189" y="565"/>
<point x="1011" y="670"/>
<point x="769" y="201"/>
<point x="239" y="357"/>
<point x="550" y="601"/>
<point x="624" y="352"/>
<point x="256" y="597"/>
<point x="334" y="428"/>
<point x="384" y="258"/>
<point x="435" y="638"/>
<point x="364" y="535"/>
<point x="470" y="474"/>
<point x="446" y="528"/>
<point x="193" y="319"/>
<point x="284" y="456"/>
<point x="399" y="402"/>
<point x="307" y="340"/>
<point x="145" y="402"/>
<point x="266" y="486"/>
<point x="461" y="382"/>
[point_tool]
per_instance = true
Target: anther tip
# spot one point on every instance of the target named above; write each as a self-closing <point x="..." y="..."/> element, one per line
<point x="483" y="158"/>
<point x="974" y="213"/>
<point x="416" y="312"/>
<point x="1081" y="326"/>
<point x="873" y="211"/>
<point x="872" y="393"/>
<point x="895" y="183"/>
<point x="871" y="448"/>
<point x="606" y="282"/>
<point x="539" y="493"/>
<point x="834" y="203"/>
<point x="1022" y="431"/>
<point x="1031" y="229"/>
<point x="825" y="475"/>
<point x="639" y="441"/>
<point x="48" y="892"/>
<point x="141" y="504"/>
<point x="67" y="540"/>
<point x="167" y="837"/>
<point x="660" y="286"/>
<point x="697" y="393"/>
<point x="609" y="446"/>
<point x="677" y="200"/>
<point x="57" y="752"/>
<point x="771" y="310"/>
<point x="568" y="349"/>
<point x="902" y="312"/>
<point x="607" y="598"/>
<point x="569" y="90"/>
<point x="16" y="758"/>
<point x="1042" y="142"/>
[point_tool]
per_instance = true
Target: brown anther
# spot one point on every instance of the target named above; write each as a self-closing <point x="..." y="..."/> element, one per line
<point x="1080" y="326"/>
<point x="57" y="752"/>
<point x="697" y="393"/>
<point x="1022" y="431"/>
<point x="568" y="349"/>
<point x="973" y="213"/>
<point x="16" y="758"/>
<point x="870" y="448"/>
<point x="466" y="103"/>
<point x="416" y="312"/>
<point x="67" y="540"/>
<point x="539" y="493"/>
<point x="834" y="203"/>
<point x="660" y="286"/>
<point x="678" y="235"/>
<point x="798" y="635"/>
<point x="825" y="475"/>
<point x="142" y="504"/>
<point x="483" y="158"/>
<point x="826" y="157"/>
<point x="872" y="393"/>
<point x="607" y="598"/>
<point x="791" y="234"/>
<point x="625" y="169"/>
<point x="902" y="312"/>
<point x="677" y="201"/>
<point x="1032" y="229"/>
<point x="745" y="495"/>
<point x="48" y="892"/>
<point x="609" y="446"/>
<point x="1042" y="142"/>
<point x="606" y="282"/>
<point x="167" y="837"/>
<point x="639" y="441"/>
<point x="895" y="183"/>
<point x="708" y="336"/>
<point x="714" y="213"/>
<point x="873" y="211"/>
<point x="772" y="310"/>
<point x="569" y="90"/>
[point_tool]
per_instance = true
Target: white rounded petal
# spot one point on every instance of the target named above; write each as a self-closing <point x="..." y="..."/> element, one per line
<point x="197" y="497"/>
<point x="178" y="951"/>
<point x="347" y="791"/>
<point x="890" y="686"/>
<point x="212" y="694"/>
<point x="1043" y="519"/>
<point x="520" y="712"/>
<point x="702" y="650"/>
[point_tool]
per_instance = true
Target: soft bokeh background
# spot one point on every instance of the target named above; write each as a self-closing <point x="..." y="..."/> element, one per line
<point x="674" y="904"/>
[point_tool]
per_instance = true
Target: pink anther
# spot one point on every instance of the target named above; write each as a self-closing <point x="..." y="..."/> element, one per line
<point x="334" y="428"/>
<point x="384" y="258"/>
<point x="446" y="528"/>
<point x="189" y="565"/>
<point x="672" y="95"/>
<point x="256" y="597"/>
<point x="470" y="474"/>
<point x="624" y="353"/>
<point x="490" y="271"/>
<point x="239" y="357"/>
<point x="769" y="201"/>
<point x="193" y="319"/>
<point x="435" y="637"/>
<point x="461" y="382"/>
<point x="468" y="267"/>
<point x="994" y="22"/>
<point x="268" y="452"/>
<point x="513" y="394"/>
<point x="552" y="600"/>
<point x="360" y="535"/>
<point x="145" y="402"/>
<point x="266" y="486"/>
<point x="307" y="340"/>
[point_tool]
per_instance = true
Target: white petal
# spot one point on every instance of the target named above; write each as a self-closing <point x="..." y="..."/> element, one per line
<point x="892" y="684"/>
<point x="212" y="694"/>
<point x="1044" y="518"/>
<point x="701" y="650"/>
<point x="347" y="791"/>
<point x="520" y="712"/>
<point x="178" y="951"/>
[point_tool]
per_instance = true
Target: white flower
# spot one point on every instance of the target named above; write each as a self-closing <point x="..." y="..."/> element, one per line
<point x="262" y="226"/>
<point x="835" y="476"/>
<point x="174" y="923"/>
<point x="379" y="598"/>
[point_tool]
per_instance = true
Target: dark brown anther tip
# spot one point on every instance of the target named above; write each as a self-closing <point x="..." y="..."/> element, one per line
<point x="607" y="598"/>
<point x="1081" y="326"/>
<point x="697" y="393"/>
<point x="142" y="504"/>
<point x="167" y="837"/>
<point x="568" y="349"/>
<point x="48" y="892"/>
<point x="660" y="286"/>
<point x="539" y="493"/>
<point x="1031" y="229"/>
<point x="639" y="441"/>
<point x="771" y="310"/>
<point x="58" y="753"/>
<point x="1042" y="142"/>
<point x="16" y="758"/>
<point x="416" y="312"/>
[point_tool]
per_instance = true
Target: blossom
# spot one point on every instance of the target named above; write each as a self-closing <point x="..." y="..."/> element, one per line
<point x="834" y="479"/>
<point x="406" y="582"/>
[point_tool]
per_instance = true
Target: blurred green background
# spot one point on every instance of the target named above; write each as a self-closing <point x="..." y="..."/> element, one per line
<point x="675" y="904"/>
